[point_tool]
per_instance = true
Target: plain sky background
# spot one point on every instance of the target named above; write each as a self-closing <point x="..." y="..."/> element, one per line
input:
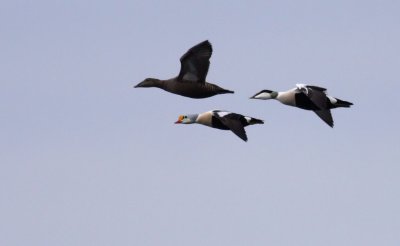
<point x="88" y="160"/>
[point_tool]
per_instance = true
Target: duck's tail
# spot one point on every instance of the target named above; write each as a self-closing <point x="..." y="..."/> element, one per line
<point x="341" y="104"/>
<point x="253" y="121"/>
<point x="224" y="91"/>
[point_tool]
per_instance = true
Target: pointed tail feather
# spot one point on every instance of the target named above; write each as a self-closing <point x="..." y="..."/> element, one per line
<point x="342" y="104"/>
<point x="255" y="121"/>
<point x="226" y="91"/>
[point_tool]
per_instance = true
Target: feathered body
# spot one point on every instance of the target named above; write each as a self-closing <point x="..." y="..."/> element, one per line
<point x="223" y="120"/>
<point x="191" y="81"/>
<point x="307" y="97"/>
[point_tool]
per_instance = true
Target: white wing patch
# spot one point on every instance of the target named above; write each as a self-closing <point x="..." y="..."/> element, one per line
<point x="302" y="87"/>
<point x="332" y="99"/>
<point x="221" y="113"/>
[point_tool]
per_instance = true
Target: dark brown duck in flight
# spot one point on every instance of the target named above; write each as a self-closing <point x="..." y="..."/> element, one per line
<point x="191" y="81"/>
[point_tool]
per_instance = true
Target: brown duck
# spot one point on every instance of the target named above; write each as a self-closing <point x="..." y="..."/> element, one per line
<point x="191" y="81"/>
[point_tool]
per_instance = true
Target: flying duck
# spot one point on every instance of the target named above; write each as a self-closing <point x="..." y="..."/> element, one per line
<point x="223" y="120"/>
<point x="191" y="81"/>
<point x="307" y="97"/>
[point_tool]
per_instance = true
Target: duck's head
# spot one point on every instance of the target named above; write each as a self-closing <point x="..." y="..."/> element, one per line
<point x="265" y="95"/>
<point x="186" y="119"/>
<point x="149" y="82"/>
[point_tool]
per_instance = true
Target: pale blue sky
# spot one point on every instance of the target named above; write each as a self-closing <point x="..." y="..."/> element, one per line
<point x="88" y="160"/>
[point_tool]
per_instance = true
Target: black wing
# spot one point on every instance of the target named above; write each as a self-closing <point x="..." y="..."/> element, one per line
<point x="318" y="97"/>
<point x="195" y="63"/>
<point x="234" y="123"/>
<point x="316" y="88"/>
<point x="326" y="116"/>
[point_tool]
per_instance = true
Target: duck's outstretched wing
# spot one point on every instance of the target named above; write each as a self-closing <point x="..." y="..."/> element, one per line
<point x="316" y="88"/>
<point x="234" y="123"/>
<point x="326" y="116"/>
<point x="317" y="96"/>
<point x="195" y="63"/>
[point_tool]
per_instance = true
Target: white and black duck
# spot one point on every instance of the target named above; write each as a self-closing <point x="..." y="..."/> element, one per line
<point x="307" y="97"/>
<point x="223" y="120"/>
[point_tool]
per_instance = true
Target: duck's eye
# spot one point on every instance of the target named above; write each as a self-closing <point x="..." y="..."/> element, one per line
<point x="184" y="117"/>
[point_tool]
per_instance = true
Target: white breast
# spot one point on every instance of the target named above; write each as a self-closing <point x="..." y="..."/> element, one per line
<point x="204" y="118"/>
<point x="287" y="97"/>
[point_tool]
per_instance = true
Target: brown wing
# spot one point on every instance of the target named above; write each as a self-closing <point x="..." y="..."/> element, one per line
<point x="195" y="63"/>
